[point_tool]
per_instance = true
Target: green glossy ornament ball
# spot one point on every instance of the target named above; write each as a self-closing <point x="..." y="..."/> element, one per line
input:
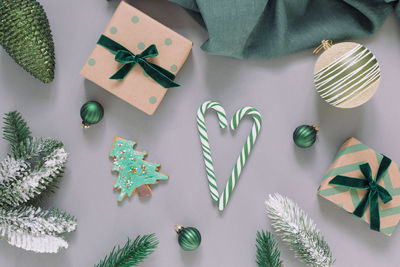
<point x="189" y="238"/>
<point x="91" y="113"/>
<point x="305" y="135"/>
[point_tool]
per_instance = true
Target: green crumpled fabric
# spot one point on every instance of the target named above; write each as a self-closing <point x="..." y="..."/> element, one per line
<point x="273" y="28"/>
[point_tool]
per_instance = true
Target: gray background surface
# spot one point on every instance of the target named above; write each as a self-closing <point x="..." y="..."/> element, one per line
<point x="282" y="89"/>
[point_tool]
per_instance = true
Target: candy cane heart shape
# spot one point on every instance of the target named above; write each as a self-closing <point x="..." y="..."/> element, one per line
<point x="205" y="145"/>
<point x="246" y="150"/>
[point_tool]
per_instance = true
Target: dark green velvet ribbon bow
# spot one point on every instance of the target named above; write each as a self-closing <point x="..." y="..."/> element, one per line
<point x="375" y="191"/>
<point x="129" y="60"/>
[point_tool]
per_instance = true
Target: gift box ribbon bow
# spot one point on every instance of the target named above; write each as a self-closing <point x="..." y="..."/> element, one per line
<point x="129" y="60"/>
<point x="375" y="191"/>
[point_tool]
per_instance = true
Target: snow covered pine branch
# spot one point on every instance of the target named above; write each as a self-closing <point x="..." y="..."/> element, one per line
<point x="299" y="231"/>
<point x="29" y="172"/>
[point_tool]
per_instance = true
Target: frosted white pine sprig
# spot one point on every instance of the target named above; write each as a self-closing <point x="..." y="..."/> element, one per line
<point x="295" y="228"/>
<point x="12" y="169"/>
<point x="34" y="149"/>
<point x="37" y="243"/>
<point x="37" y="221"/>
<point x="34" y="229"/>
<point x="30" y="168"/>
<point x="30" y="171"/>
<point x="14" y="191"/>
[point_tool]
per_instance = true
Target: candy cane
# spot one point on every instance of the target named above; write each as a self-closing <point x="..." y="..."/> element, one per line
<point x="205" y="143"/>
<point x="223" y="201"/>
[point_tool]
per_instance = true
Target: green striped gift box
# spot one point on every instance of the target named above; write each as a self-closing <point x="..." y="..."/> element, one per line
<point x="351" y="155"/>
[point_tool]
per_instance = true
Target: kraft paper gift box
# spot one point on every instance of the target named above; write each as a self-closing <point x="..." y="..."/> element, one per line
<point x="135" y="31"/>
<point x="346" y="185"/>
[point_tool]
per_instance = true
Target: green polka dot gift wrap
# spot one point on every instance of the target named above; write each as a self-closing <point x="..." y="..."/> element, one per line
<point x="136" y="31"/>
<point x="348" y="166"/>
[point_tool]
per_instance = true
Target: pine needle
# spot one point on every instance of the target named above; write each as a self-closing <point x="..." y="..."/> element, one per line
<point x="299" y="231"/>
<point x="132" y="253"/>
<point x="268" y="254"/>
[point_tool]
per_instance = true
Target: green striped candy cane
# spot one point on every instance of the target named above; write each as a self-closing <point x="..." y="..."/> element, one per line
<point x="205" y="145"/>
<point x="246" y="111"/>
<point x="244" y="154"/>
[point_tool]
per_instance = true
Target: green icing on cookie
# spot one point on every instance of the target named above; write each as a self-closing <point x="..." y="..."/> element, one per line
<point x="133" y="170"/>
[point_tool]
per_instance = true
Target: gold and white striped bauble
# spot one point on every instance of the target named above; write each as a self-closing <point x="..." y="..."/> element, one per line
<point x="346" y="75"/>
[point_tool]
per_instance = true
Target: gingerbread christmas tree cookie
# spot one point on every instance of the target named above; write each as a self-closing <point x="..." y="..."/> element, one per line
<point x="135" y="174"/>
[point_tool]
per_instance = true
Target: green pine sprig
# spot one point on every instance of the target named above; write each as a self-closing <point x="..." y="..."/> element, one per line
<point x="299" y="231"/>
<point x="16" y="132"/>
<point x="268" y="254"/>
<point x="132" y="253"/>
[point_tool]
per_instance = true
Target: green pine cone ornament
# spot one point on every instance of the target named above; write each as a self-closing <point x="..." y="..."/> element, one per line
<point x="91" y="113"/>
<point x="189" y="238"/>
<point x="26" y="36"/>
<point x="305" y="135"/>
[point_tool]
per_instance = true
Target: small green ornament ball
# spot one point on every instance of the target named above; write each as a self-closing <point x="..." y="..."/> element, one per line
<point x="305" y="135"/>
<point x="91" y="113"/>
<point x="189" y="238"/>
